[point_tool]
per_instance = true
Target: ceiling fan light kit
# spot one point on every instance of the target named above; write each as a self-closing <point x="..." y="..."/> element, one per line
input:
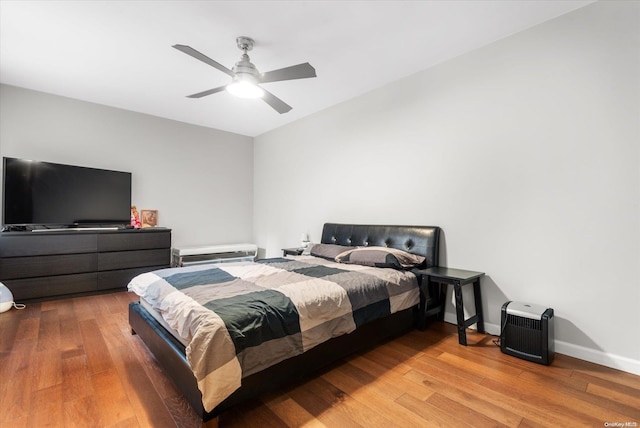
<point x="244" y="88"/>
<point x="246" y="78"/>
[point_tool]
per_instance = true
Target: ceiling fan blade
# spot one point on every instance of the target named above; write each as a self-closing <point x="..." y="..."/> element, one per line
<point x="300" y="71"/>
<point x="197" y="55"/>
<point x="275" y="102"/>
<point x="208" y="92"/>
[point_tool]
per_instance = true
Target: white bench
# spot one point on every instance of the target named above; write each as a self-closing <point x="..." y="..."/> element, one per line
<point x="213" y="254"/>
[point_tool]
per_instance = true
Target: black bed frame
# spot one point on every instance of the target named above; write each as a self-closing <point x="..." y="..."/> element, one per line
<point x="170" y="353"/>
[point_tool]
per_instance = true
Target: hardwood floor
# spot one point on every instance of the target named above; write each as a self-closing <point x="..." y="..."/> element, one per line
<point x="74" y="363"/>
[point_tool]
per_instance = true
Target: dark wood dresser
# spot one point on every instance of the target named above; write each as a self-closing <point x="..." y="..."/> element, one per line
<point x="37" y="265"/>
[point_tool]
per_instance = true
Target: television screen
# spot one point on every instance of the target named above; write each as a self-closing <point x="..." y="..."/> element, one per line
<point x="48" y="194"/>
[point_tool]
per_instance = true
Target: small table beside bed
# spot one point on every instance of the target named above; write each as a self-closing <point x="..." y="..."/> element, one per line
<point x="226" y="333"/>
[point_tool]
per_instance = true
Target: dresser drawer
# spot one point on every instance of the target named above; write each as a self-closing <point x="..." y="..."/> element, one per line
<point x="33" y="244"/>
<point x="27" y="267"/>
<point x="52" y="286"/>
<point x="134" y="240"/>
<point x="120" y="278"/>
<point x="133" y="259"/>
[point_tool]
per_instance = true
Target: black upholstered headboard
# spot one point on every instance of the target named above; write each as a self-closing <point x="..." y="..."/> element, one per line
<point x="421" y="240"/>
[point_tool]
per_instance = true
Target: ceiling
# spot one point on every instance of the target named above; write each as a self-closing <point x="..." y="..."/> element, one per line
<point x="118" y="53"/>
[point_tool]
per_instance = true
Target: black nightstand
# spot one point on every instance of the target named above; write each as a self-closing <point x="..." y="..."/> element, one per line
<point x="292" y="251"/>
<point x="443" y="276"/>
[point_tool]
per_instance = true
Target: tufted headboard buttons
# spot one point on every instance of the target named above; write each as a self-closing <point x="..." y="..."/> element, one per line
<point x="421" y="240"/>
<point x="408" y="245"/>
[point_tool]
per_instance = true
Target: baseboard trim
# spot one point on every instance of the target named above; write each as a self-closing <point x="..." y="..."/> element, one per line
<point x="599" y="357"/>
<point x="583" y="353"/>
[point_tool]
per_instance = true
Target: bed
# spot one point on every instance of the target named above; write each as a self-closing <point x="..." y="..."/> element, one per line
<point x="194" y="323"/>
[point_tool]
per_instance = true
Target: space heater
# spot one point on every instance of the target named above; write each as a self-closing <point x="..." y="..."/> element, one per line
<point x="527" y="332"/>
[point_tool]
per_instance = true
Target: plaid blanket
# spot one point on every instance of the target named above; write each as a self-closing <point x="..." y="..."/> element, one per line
<point x="240" y="318"/>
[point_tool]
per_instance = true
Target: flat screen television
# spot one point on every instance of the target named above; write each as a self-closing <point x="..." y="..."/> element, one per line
<point x="44" y="194"/>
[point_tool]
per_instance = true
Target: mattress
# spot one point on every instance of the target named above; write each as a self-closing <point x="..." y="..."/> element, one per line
<point x="161" y="320"/>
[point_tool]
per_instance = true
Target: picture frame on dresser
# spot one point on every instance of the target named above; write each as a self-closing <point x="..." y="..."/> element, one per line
<point x="149" y="218"/>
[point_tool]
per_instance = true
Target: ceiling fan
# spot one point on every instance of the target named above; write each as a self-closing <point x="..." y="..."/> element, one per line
<point x="246" y="78"/>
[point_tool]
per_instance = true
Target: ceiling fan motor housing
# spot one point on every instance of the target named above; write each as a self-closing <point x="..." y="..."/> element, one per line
<point x="245" y="67"/>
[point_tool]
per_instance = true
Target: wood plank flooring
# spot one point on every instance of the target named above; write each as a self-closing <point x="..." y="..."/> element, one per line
<point x="74" y="363"/>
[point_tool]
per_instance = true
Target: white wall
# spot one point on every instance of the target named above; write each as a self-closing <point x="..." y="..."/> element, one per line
<point x="199" y="179"/>
<point x="525" y="152"/>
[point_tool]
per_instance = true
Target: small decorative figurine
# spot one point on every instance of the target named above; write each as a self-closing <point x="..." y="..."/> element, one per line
<point x="135" y="217"/>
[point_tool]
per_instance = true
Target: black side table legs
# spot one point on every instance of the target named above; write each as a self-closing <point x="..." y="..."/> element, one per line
<point x="458" y="277"/>
<point x="476" y="319"/>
